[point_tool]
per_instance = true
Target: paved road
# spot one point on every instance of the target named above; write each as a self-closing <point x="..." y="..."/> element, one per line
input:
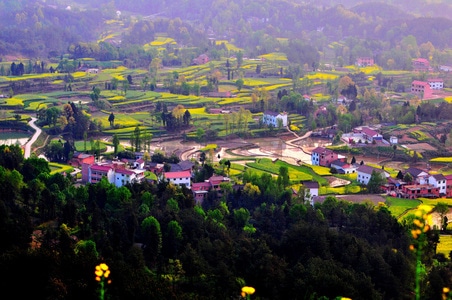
<point x="33" y="138"/>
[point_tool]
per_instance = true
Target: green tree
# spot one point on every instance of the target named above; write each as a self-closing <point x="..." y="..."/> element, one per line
<point x="116" y="143"/>
<point x="442" y="208"/>
<point x="283" y="177"/>
<point x="152" y="239"/>
<point x="376" y="181"/>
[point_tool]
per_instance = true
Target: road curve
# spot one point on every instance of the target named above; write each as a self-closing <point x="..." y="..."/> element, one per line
<point x="33" y="138"/>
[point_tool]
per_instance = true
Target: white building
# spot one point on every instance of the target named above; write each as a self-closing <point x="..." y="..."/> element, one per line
<point x="179" y="178"/>
<point x="311" y="190"/>
<point x="125" y="176"/>
<point x="438" y="181"/>
<point x="365" y="172"/>
<point x="271" y="118"/>
<point x="436" y="83"/>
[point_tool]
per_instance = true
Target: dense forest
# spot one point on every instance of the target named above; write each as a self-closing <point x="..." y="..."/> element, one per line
<point x="159" y="245"/>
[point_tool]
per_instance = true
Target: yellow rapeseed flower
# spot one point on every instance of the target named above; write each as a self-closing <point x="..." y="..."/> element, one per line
<point x="417" y="223"/>
<point x="248" y="290"/>
<point x="446" y="290"/>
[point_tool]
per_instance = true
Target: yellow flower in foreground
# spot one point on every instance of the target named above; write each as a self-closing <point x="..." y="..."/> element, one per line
<point x="248" y="290"/>
<point x="446" y="290"/>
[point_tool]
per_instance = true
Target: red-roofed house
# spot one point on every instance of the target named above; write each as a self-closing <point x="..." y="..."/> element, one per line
<point x="419" y="190"/>
<point x="448" y="186"/>
<point x="421" y="88"/>
<point x="200" y="190"/>
<point x="342" y="167"/>
<point x="78" y="159"/>
<point x="370" y="135"/>
<point x="200" y="60"/>
<point x="96" y="172"/>
<point x="323" y="157"/>
<point x="179" y="178"/>
<point x="421" y="65"/>
<point x="365" y="61"/>
<point x="215" y="181"/>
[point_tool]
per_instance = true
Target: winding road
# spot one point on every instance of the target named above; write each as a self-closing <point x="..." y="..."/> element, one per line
<point x="33" y="138"/>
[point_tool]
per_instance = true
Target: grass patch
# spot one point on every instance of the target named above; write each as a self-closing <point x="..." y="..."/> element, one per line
<point x="445" y="245"/>
<point x="59" y="168"/>
<point x="398" y="206"/>
<point x="80" y="146"/>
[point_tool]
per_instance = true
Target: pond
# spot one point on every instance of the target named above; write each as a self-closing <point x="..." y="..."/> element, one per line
<point x="14" y="138"/>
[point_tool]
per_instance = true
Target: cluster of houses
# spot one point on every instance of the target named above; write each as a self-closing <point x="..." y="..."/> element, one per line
<point x="123" y="172"/>
<point x="421" y="183"/>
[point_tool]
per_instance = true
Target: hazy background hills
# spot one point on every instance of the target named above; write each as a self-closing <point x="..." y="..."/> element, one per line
<point x="40" y="28"/>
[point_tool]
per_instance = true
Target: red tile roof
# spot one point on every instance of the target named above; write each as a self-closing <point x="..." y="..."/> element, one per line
<point x="101" y="168"/>
<point x="181" y="174"/>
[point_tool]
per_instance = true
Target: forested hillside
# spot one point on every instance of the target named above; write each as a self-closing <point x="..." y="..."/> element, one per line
<point x="159" y="245"/>
<point x="37" y="29"/>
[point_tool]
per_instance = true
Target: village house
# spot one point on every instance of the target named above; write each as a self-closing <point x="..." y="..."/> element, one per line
<point x="419" y="176"/>
<point x="323" y="157"/>
<point x="421" y="65"/>
<point x="365" y="61"/>
<point x="414" y="191"/>
<point x="365" y="173"/>
<point x="422" y="89"/>
<point x="200" y="60"/>
<point x="116" y="173"/>
<point x="270" y="118"/>
<point x="128" y="176"/>
<point x="343" y="167"/>
<point x="445" y="68"/>
<point x="96" y="172"/>
<point x="438" y="181"/>
<point x="436" y="83"/>
<point x="393" y="140"/>
<point x="200" y="189"/>
<point x="311" y="191"/>
<point x="179" y="178"/>
<point x="448" y="186"/>
<point x="368" y="134"/>
<point x="78" y="159"/>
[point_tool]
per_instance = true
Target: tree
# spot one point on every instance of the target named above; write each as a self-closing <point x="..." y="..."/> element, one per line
<point x="283" y="177"/>
<point x="187" y="117"/>
<point x="152" y="238"/>
<point x="116" y="143"/>
<point x="442" y="208"/>
<point x="239" y="83"/>
<point x="408" y="178"/>
<point x="375" y="182"/>
<point x="111" y="119"/>
<point x="239" y="56"/>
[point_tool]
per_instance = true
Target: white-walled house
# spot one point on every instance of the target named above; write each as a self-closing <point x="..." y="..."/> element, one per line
<point x="439" y="181"/>
<point x="179" y="178"/>
<point x="436" y="83"/>
<point x="365" y="172"/>
<point x="311" y="190"/>
<point x="271" y="118"/>
<point x="125" y="176"/>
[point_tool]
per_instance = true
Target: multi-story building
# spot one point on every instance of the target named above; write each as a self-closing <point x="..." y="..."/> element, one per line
<point x="422" y="89"/>
<point x="179" y="178"/>
<point x="323" y="157"/>
<point x="272" y="118"/>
